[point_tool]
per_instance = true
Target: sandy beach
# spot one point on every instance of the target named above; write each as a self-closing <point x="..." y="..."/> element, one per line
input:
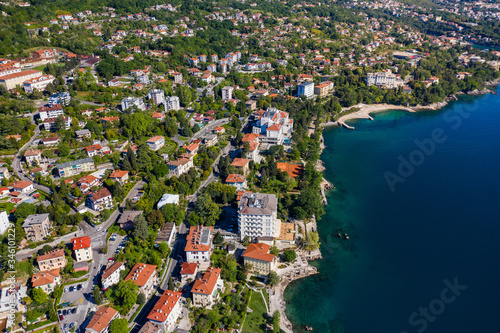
<point x="364" y="113"/>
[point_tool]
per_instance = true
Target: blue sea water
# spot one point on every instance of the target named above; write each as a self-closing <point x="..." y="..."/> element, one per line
<point x="423" y="255"/>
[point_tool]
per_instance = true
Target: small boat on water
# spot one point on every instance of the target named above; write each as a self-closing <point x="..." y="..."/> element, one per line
<point x="345" y="236"/>
<point x="308" y="328"/>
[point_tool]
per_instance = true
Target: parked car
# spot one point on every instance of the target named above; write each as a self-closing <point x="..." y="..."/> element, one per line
<point x="61" y="317"/>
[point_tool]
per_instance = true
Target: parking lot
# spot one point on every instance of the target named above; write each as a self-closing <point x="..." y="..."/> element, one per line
<point x="71" y="301"/>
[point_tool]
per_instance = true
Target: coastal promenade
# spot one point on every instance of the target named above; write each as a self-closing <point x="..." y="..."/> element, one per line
<point x="364" y="113"/>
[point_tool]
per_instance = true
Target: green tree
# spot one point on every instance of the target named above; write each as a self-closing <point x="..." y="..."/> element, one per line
<point x="272" y="278"/>
<point x="126" y="295"/>
<point x="164" y="249"/>
<point x="289" y="255"/>
<point x="311" y="241"/>
<point x="276" y="322"/>
<point x="63" y="149"/>
<point x="171" y="284"/>
<point x="218" y="238"/>
<point x="140" y="227"/>
<point x="274" y="250"/>
<point x="207" y="210"/>
<point x="141" y="299"/>
<point x="119" y="325"/>
<point x="97" y="295"/>
<point x="45" y="249"/>
<point x="39" y="296"/>
<point x="24" y="210"/>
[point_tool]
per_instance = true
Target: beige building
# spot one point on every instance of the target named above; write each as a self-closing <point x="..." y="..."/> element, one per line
<point x="32" y="155"/>
<point x="37" y="227"/>
<point x="10" y="81"/>
<point x="145" y="277"/>
<point x="82" y="248"/>
<point x="206" y="290"/>
<point x="72" y="168"/>
<point x="258" y="256"/>
<point x="52" y="260"/>
<point x="179" y="166"/>
<point x="47" y="281"/>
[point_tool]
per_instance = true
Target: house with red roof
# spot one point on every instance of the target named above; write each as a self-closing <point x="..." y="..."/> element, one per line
<point x="188" y="272"/>
<point x="120" y="176"/>
<point x="156" y="142"/>
<point x="236" y="180"/>
<point x="100" y="200"/>
<point x="82" y="248"/>
<point x="47" y="281"/>
<point x="192" y="148"/>
<point x="101" y="320"/>
<point x="198" y="245"/>
<point x="257" y="255"/>
<point x="23" y="186"/>
<point x="145" y="276"/>
<point x="206" y="290"/>
<point x="241" y="164"/>
<point x="167" y="310"/>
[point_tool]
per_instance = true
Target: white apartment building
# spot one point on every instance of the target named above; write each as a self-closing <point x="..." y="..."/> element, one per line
<point x="157" y="96"/>
<point x="172" y="103"/>
<point x="198" y="245"/>
<point x="257" y="216"/>
<point x="53" y="111"/>
<point x="179" y="166"/>
<point x="206" y="290"/>
<point x="10" y="297"/>
<point x="274" y="125"/>
<point x="50" y="123"/>
<point x="4" y="222"/>
<point x="306" y="89"/>
<point x="99" y="200"/>
<point x="167" y="310"/>
<point x="227" y="93"/>
<point x="385" y="79"/>
<point x="156" y="142"/>
<point x="38" y="83"/>
<point x="111" y="275"/>
<point x="129" y="102"/>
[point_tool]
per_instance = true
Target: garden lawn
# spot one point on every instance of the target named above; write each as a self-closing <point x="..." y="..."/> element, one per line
<point x="256" y="322"/>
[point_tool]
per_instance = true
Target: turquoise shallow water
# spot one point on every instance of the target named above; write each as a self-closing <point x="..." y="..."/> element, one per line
<point x="423" y="255"/>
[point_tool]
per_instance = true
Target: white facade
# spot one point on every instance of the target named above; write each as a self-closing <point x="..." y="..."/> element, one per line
<point x="227" y="93"/>
<point x="274" y="126"/>
<point x="4" y="222"/>
<point x="172" y="103"/>
<point x="306" y="89"/>
<point x="156" y="142"/>
<point x="112" y="277"/>
<point x="157" y="96"/>
<point x="38" y="83"/>
<point x="128" y="102"/>
<point x="384" y="80"/>
<point x="50" y="113"/>
<point x="10" y="297"/>
<point x="257" y="216"/>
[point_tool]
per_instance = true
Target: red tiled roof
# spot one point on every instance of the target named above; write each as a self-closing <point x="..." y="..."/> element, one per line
<point x="118" y="174"/>
<point x="193" y="240"/>
<point x="155" y="138"/>
<point x="22" y="184"/>
<point x="102" y="318"/>
<point x="164" y="306"/>
<point x="19" y="74"/>
<point x="102" y="193"/>
<point x="93" y="147"/>
<point x="141" y="273"/>
<point x="111" y="269"/>
<point x="189" y="268"/>
<point x="81" y="242"/>
<point x="240" y="162"/>
<point x="259" y="251"/>
<point x="43" y="278"/>
<point x="206" y="284"/>
<point x="51" y="255"/>
<point x="235" y="178"/>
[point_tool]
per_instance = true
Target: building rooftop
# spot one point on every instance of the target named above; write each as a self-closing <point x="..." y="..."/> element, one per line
<point x="258" y="204"/>
<point x="81" y="242"/>
<point x="111" y="269"/>
<point x="43" y="278"/>
<point x="164" y="306"/>
<point x="77" y="162"/>
<point x="240" y="162"/>
<point x="141" y="273"/>
<point x="207" y="283"/>
<point x="235" y="178"/>
<point x="35" y="219"/>
<point x="189" y="268"/>
<point x="51" y="255"/>
<point x="102" y="318"/>
<point x="199" y="239"/>
<point x="259" y="251"/>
